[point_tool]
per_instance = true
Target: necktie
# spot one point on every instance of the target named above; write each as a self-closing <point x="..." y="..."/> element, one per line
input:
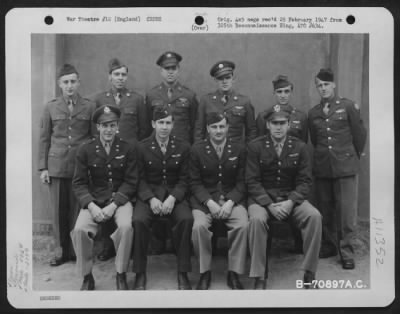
<point x="169" y="93"/>
<point x="224" y="99"/>
<point x="70" y="105"/>
<point x="107" y="147"/>
<point x="278" y="148"/>
<point x="117" y="98"/>
<point x="219" y="151"/>
<point x="326" y="108"/>
<point x="163" y="148"/>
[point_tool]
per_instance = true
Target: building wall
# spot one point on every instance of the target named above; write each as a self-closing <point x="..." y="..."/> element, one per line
<point x="258" y="57"/>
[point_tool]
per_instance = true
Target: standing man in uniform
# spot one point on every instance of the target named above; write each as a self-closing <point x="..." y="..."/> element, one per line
<point x="219" y="193"/>
<point x="105" y="183"/>
<point x="132" y="124"/>
<point x="65" y="124"/>
<point x="237" y="107"/>
<point x="163" y="161"/>
<point x="338" y="136"/>
<point x="180" y="99"/>
<point x="283" y="90"/>
<point x="278" y="177"/>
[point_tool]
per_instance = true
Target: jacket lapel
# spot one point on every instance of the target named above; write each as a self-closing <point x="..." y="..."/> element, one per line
<point x="100" y="151"/>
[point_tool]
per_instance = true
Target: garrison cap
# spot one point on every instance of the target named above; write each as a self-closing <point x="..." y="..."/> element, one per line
<point x="161" y="112"/>
<point x="66" y="69"/>
<point x="281" y="81"/>
<point x="105" y="114"/>
<point x="276" y="112"/>
<point x="115" y="64"/>
<point x="215" y="117"/>
<point x="169" y="58"/>
<point x="222" y="68"/>
<point x="325" y="75"/>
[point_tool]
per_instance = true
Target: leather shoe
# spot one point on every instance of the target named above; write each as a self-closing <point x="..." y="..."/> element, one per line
<point x="348" y="263"/>
<point x="140" y="281"/>
<point x="260" y="283"/>
<point x="183" y="281"/>
<point x="121" y="281"/>
<point x="308" y="280"/>
<point x="233" y="281"/>
<point x="57" y="261"/>
<point x="88" y="282"/>
<point x="204" y="281"/>
<point x="106" y="254"/>
<point x="327" y="251"/>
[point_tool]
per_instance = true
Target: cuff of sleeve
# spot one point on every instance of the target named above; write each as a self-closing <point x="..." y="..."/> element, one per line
<point x="264" y="200"/>
<point x="235" y="197"/>
<point x="120" y="199"/>
<point x="297" y="198"/>
<point x="146" y="195"/>
<point x="178" y="195"/>
<point x="86" y="199"/>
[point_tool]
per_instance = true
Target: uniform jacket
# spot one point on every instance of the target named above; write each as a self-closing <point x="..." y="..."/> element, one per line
<point x="163" y="175"/>
<point x="101" y="178"/>
<point x="338" y="138"/>
<point x="132" y="125"/>
<point x="270" y="178"/>
<point x="298" y="123"/>
<point x="239" y="110"/>
<point x="61" y="133"/>
<point x="183" y="104"/>
<point x="211" y="177"/>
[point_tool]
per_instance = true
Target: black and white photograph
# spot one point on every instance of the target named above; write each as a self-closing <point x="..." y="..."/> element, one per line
<point x="231" y="149"/>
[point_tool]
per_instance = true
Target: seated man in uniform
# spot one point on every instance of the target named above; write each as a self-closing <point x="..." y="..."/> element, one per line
<point x="218" y="192"/>
<point x="105" y="183"/>
<point x="278" y="178"/>
<point x="162" y="192"/>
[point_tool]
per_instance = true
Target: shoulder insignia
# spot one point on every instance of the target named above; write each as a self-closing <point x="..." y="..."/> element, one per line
<point x="356" y="106"/>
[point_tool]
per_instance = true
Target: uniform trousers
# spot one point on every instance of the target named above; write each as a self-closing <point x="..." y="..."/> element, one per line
<point x="337" y="201"/>
<point x="237" y="224"/>
<point x="86" y="229"/>
<point x="65" y="208"/>
<point x="305" y="217"/>
<point x="182" y="222"/>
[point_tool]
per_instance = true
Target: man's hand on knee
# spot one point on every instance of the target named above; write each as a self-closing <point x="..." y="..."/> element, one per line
<point x="96" y="212"/>
<point x="109" y="210"/>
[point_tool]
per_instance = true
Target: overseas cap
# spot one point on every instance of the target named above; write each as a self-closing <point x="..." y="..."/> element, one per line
<point x="215" y="117"/>
<point x="281" y="81"/>
<point x="276" y="112"/>
<point x="161" y="112"/>
<point x="169" y="58"/>
<point x="222" y="68"/>
<point x="66" y="69"/>
<point x="115" y="64"/>
<point x="325" y="75"/>
<point x="105" y="114"/>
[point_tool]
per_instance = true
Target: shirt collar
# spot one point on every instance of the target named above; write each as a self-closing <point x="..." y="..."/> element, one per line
<point x="73" y="98"/>
<point x="159" y="143"/>
<point x="280" y="143"/>
<point x="222" y="145"/>
<point x="104" y="143"/>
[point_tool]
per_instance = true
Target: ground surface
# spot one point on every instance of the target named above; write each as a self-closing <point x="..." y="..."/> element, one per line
<point x="284" y="268"/>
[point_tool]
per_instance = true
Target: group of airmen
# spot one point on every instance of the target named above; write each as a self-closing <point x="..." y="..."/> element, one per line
<point x="123" y="160"/>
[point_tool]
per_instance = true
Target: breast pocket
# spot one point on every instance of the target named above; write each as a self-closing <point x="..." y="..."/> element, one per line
<point x="129" y="111"/>
<point x="340" y="116"/>
<point x="295" y="124"/>
<point x="182" y="106"/>
<point x="293" y="161"/>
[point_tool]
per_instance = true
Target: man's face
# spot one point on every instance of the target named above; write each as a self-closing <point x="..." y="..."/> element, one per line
<point x="325" y="89"/>
<point x="278" y="128"/>
<point x="107" y="130"/>
<point x="69" y="84"/>
<point x="283" y="95"/>
<point x="225" y="83"/>
<point x="118" y="78"/>
<point x="170" y="74"/>
<point x="163" y="127"/>
<point x="218" y="131"/>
